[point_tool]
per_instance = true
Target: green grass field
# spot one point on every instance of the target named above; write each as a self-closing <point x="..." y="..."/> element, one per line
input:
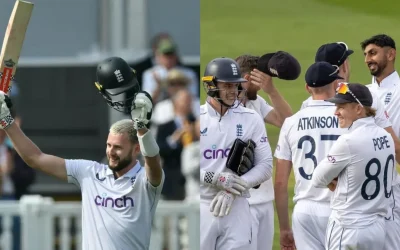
<point x="231" y="27"/>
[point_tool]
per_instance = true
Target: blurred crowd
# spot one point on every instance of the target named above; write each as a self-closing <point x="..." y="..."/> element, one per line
<point x="175" y="121"/>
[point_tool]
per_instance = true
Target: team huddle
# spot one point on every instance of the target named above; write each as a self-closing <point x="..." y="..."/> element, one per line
<point x="342" y="145"/>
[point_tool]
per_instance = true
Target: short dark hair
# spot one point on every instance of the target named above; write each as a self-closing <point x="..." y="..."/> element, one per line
<point x="247" y="63"/>
<point x="380" y="40"/>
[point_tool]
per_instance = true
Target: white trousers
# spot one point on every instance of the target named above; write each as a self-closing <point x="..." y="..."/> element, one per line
<point x="309" y="223"/>
<point x="262" y="225"/>
<point x="231" y="232"/>
<point x="392" y="238"/>
<point x="371" y="237"/>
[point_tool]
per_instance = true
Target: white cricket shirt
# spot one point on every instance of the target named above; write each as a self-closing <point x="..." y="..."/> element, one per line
<point x="305" y="139"/>
<point x="389" y="94"/>
<point x="116" y="214"/>
<point x="265" y="192"/>
<point x="363" y="159"/>
<point x="217" y="135"/>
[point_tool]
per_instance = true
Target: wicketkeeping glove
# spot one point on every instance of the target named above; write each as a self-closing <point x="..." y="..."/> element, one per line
<point x="5" y="116"/>
<point x="241" y="157"/>
<point x="142" y="110"/>
<point x="221" y="204"/>
<point x="229" y="182"/>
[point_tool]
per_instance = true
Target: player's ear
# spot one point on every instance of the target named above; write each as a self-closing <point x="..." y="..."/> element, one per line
<point x="307" y="89"/>
<point x="391" y="54"/>
<point x="136" y="148"/>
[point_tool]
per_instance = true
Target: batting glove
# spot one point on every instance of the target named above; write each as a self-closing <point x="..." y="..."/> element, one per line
<point x="5" y="116"/>
<point x="229" y="182"/>
<point x="221" y="204"/>
<point x="142" y="110"/>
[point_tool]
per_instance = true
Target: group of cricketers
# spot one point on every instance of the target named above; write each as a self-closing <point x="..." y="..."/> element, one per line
<point x="343" y="146"/>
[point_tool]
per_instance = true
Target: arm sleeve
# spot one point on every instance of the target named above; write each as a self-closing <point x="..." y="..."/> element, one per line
<point x="265" y="107"/>
<point x="262" y="169"/>
<point x="77" y="170"/>
<point x="283" y="150"/>
<point x="338" y="158"/>
<point x="154" y="191"/>
<point x="381" y="117"/>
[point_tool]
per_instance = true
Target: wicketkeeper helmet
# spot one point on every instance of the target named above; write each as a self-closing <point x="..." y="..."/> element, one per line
<point x="221" y="70"/>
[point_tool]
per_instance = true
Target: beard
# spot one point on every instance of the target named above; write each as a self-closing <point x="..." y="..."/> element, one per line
<point x="379" y="67"/>
<point x="122" y="163"/>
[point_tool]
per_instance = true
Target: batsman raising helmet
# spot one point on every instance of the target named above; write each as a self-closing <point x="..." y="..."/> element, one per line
<point x="118" y="84"/>
<point x="235" y="156"/>
<point x="119" y="198"/>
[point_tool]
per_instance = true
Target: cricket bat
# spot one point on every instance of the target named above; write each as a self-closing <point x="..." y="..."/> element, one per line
<point x="12" y="43"/>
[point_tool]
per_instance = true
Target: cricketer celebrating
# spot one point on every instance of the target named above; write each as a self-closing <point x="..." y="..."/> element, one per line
<point x="380" y="54"/>
<point x="304" y="140"/>
<point x="261" y="200"/>
<point x="235" y="156"/>
<point x="119" y="199"/>
<point x="363" y="161"/>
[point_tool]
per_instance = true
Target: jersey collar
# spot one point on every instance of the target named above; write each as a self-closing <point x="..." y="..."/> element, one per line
<point x="312" y="102"/>
<point x="361" y="122"/>
<point x="213" y="113"/>
<point x="131" y="173"/>
<point x="390" y="81"/>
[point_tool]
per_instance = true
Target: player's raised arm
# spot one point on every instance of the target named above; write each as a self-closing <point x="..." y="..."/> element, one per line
<point x="29" y="152"/>
<point x="141" y="114"/>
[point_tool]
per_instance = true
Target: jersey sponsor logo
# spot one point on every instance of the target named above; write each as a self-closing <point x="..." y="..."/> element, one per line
<point x="314" y="122"/>
<point x="215" y="153"/>
<point x="331" y="159"/>
<point x="106" y="201"/>
<point x="203" y="132"/>
<point x="264" y="139"/>
<point x="386" y="115"/>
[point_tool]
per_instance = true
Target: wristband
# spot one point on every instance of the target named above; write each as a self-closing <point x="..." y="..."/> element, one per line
<point x="148" y="145"/>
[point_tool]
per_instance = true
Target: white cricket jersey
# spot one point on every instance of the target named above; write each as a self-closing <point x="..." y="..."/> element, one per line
<point x="389" y="94"/>
<point x="217" y="137"/>
<point x="363" y="159"/>
<point x="116" y="214"/>
<point x="265" y="192"/>
<point x="305" y="139"/>
<point x="381" y="117"/>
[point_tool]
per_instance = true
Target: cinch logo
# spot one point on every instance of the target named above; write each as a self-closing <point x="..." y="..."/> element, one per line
<point x="105" y="201"/>
<point x="215" y="153"/>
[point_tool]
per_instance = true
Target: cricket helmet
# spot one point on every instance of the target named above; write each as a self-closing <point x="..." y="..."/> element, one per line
<point x="115" y="78"/>
<point x="221" y="69"/>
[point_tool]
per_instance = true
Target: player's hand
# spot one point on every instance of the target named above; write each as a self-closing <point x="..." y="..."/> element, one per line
<point x="332" y="185"/>
<point x="287" y="240"/>
<point x="229" y="182"/>
<point x="5" y="116"/>
<point x="221" y="204"/>
<point x="262" y="80"/>
<point x="142" y="110"/>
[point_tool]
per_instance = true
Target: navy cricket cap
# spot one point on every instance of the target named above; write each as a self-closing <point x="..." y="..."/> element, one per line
<point x="279" y="64"/>
<point x="333" y="53"/>
<point x="352" y="92"/>
<point x="320" y="74"/>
